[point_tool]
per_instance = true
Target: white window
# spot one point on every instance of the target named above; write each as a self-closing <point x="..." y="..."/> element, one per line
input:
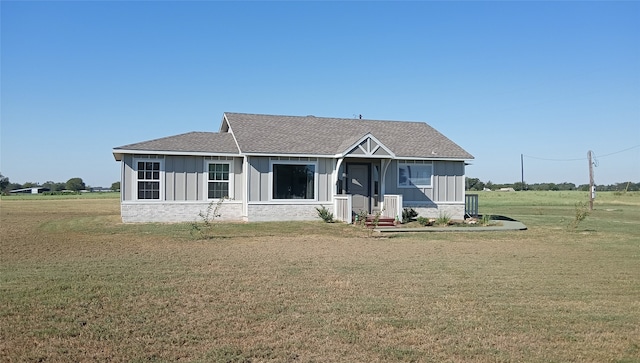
<point x="149" y="177"/>
<point x="219" y="180"/>
<point x="414" y="174"/>
<point x="293" y="180"/>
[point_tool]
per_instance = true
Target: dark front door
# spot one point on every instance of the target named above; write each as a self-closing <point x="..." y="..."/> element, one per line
<point x="359" y="186"/>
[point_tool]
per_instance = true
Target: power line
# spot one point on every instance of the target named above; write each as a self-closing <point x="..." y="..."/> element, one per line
<point x="582" y="159"/>
<point x="621" y="151"/>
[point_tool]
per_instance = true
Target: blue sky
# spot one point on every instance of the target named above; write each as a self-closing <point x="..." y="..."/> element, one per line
<point x="550" y="80"/>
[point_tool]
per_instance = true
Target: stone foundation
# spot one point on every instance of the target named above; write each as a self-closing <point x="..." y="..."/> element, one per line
<point x="285" y="212"/>
<point x="454" y="211"/>
<point x="177" y="212"/>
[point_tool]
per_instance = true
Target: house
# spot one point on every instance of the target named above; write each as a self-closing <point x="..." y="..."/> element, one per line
<point x="274" y="168"/>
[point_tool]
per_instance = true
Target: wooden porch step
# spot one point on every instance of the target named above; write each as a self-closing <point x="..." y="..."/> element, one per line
<point x="382" y="221"/>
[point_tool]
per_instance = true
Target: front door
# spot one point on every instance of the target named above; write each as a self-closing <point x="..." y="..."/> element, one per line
<point x="359" y="186"/>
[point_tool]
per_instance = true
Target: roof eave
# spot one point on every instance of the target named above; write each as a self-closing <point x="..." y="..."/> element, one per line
<point x="119" y="153"/>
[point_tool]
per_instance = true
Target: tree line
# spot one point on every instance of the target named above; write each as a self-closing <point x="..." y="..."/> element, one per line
<point x="73" y="184"/>
<point x="477" y="184"/>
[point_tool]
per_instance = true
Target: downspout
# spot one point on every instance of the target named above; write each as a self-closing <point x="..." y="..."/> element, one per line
<point x="245" y="188"/>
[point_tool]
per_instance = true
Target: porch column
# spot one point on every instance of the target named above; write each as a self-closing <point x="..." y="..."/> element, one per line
<point x="384" y="166"/>
<point x="336" y="176"/>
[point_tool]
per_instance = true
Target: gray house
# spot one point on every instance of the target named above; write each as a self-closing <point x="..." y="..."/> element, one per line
<point x="271" y="168"/>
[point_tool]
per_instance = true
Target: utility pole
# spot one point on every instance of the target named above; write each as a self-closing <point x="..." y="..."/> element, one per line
<point x="522" y="170"/>
<point x="592" y="187"/>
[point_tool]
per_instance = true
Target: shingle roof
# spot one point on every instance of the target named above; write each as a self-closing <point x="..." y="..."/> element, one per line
<point x="271" y="134"/>
<point x="306" y="135"/>
<point x="209" y="142"/>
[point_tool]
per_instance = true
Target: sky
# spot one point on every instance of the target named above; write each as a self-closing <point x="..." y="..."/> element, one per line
<point x="509" y="81"/>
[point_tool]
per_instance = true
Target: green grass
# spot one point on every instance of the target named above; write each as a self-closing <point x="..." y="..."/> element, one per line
<point x="78" y="285"/>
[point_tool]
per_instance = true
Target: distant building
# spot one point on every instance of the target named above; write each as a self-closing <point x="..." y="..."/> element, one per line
<point x="34" y="190"/>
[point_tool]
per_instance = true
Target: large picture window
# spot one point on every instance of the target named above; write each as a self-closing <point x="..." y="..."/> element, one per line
<point x="414" y="175"/>
<point x="218" y="180"/>
<point x="294" y="181"/>
<point x="148" y="179"/>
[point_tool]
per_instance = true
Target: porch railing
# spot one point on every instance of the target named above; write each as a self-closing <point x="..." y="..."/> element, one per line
<point x="392" y="206"/>
<point x="471" y="205"/>
<point x="342" y="208"/>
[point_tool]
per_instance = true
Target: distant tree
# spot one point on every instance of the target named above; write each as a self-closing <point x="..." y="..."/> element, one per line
<point x="55" y="187"/>
<point x="13" y="186"/>
<point x="519" y="186"/>
<point x="566" y="186"/>
<point x="473" y="184"/>
<point x="4" y="183"/>
<point x="115" y="186"/>
<point x="489" y="185"/>
<point x="30" y="185"/>
<point x="75" y="184"/>
<point x="583" y="187"/>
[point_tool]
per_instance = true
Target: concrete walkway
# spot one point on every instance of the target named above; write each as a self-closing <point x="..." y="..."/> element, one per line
<point x="505" y="225"/>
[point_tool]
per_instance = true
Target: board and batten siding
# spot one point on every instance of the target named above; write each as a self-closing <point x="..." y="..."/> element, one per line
<point x="184" y="177"/>
<point x="447" y="183"/>
<point x="259" y="169"/>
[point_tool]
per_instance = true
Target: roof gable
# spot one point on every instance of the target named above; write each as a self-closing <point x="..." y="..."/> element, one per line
<point x="369" y="146"/>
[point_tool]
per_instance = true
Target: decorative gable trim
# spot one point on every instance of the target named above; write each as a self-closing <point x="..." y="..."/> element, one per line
<point x="369" y="146"/>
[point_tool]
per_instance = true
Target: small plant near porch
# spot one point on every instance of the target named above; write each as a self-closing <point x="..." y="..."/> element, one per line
<point x="444" y="219"/>
<point x="324" y="214"/>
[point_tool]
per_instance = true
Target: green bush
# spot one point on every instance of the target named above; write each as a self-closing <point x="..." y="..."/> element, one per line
<point x="486" y="219"/>
<point x="324" y="214"/>
<point x="408" y="215"/>
<point x="582" y="211"/>
<point x="443" y="219"/>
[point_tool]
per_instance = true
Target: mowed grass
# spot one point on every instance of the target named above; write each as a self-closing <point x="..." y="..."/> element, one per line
<point x="78" y="285"/>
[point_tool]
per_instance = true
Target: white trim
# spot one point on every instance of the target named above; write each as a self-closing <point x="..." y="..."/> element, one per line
<point x="411" y="162"/>
<point x="422" y="202"/>
<point x="246" y="180"/>
<point x="230" y="131"/>
<point x="283" y="155"/>
<point x="383" y="180"/>
<point x="153" y="201"/>
<point x="230" y="181"/>
<point x="291" y="202"/>
<point x="172" y="153"/>
<point x="119" y="152"/>
<point x="335" y="175"/>
<point x="428" y="159"/>
<point x="134" y="168"/>
<point x="294" y="162"/>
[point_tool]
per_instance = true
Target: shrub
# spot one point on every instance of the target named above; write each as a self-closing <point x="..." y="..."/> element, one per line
<point x="324" y="214"/>
<point x="408" y="214"/>
<point x="424" y="221"/>
<point x="204" y="227"/>
<point x="443" y="219"/>
<point x="361" y="218"/>
<point x="582" y="212"/>
<point x="486" y="219"/>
